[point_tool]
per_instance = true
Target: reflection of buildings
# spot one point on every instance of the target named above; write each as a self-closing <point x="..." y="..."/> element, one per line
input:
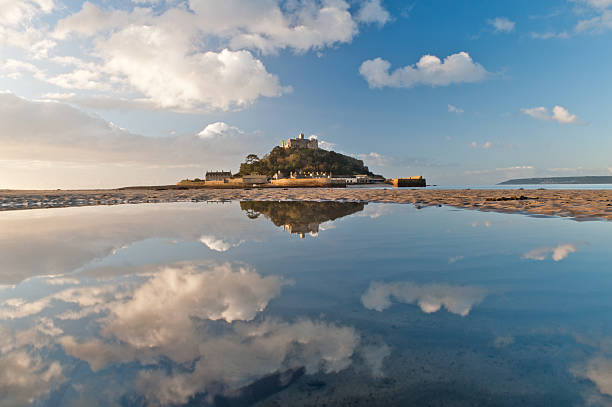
<point x="300" y="217"/>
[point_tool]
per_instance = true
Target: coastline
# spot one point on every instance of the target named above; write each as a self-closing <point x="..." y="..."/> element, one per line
<point x="581" y="204"/>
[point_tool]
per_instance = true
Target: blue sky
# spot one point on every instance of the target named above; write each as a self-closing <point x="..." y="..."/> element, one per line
<point x="108" y="93"/>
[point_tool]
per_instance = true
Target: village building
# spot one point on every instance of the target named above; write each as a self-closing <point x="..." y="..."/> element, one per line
<point x="301" y="142"/>
<point x="217" y="175"/>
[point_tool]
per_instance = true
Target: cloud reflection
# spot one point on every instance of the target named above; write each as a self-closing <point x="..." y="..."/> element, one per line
<point x="557" y="253"/>
<point x="188" y="328"/>
<point x="429" y="297"/>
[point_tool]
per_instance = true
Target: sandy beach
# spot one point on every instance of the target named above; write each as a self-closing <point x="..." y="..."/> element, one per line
<point x="577" y="204"/>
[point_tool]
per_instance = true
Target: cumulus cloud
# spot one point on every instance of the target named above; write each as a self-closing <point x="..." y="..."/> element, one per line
<point x="559" y="114"/>
<point x="219" y="129"/>
<point x="429" y="70"/>
<point x="557" y="253"/>
<point x="501" y="24"/>
<point x="372" y="11"/>
<point x="139" y="55"/>
<point x="429" y="297"/>
<point x="15" y="12"/>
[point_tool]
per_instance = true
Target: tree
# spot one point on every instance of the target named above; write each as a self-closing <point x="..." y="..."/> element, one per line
<point x="251" y="158"/>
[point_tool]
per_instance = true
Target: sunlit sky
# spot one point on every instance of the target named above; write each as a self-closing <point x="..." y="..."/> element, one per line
<point x="114" y="93"/>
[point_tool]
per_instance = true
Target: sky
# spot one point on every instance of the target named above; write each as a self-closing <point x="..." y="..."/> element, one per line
<point x="113" y="93"/>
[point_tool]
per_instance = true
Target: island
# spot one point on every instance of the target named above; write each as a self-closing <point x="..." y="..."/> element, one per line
<point x="590" y="179"/>
<point x="298" y="162"/>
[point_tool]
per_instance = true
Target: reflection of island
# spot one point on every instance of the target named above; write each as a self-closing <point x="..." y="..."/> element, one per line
<point x="300" y="217"/>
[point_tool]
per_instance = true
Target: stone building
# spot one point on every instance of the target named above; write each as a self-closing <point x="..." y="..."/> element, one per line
<point x="301" y="142"/>
<point x="217" y="175"/>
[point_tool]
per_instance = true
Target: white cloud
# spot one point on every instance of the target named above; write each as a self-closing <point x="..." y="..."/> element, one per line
<point x="430" y="70"/>
<point x="502" y="24"/>
<point x="15" y="12"/>
<point x="208" y="64"/>
<point x="455" y="109"/>
<point x="429" y="297"/>
<point x="557" y="253"/>
<point x="372" y="11"/>
<point x="559" y="114"/>
<point x="325" y="145"/>
<point x="601" y="4"/>
<point x="602" y="20"/>
<point x="220" y="129"/>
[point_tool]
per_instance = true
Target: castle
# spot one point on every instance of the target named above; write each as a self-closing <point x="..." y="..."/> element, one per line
<point x="301" y="142"/>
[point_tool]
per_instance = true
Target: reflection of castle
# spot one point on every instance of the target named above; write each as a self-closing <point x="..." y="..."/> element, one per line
<point x="301" y="142"/>
<point x="300" y="217"/>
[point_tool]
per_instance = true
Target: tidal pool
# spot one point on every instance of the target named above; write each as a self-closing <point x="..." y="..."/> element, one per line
<point x="302" y="304"/>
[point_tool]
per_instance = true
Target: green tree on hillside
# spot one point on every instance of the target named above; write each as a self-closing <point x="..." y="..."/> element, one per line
<point x="289" y="160"/>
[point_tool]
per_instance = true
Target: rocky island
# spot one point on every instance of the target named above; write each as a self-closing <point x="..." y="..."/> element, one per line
<point x="298" y="162"/>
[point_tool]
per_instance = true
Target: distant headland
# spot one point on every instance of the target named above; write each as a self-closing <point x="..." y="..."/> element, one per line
<point x="591" y="179"/>
<point x="299" y="162"/>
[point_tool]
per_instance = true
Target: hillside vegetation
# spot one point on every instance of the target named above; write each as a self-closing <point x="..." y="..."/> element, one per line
<point x="289" y="160"/>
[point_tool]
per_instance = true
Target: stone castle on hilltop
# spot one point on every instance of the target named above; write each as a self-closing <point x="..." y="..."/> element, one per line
<point x="301" y="142"/>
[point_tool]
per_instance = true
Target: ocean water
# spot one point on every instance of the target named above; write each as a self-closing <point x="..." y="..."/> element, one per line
<point x="525" y="186"/>
<point x="302" y="304"/>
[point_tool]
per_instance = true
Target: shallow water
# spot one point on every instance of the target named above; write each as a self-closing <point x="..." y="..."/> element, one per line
<point x="267" y="303"/>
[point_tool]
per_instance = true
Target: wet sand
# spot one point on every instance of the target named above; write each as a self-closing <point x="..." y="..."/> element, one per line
<point x="577" y="204"/>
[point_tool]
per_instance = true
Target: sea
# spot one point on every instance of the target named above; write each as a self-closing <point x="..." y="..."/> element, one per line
<point x="495" y="187"/>
<point x="303" y="304"/>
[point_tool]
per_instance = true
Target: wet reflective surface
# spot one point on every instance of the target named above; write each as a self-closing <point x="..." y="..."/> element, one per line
<point x="267" y="303"/>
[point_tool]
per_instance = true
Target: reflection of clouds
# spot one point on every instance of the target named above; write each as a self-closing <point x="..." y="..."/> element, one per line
<point x="24" y="374"/>
<point x="193" y="328"/>
<point x="24" y="377"/>
<point x="252" y="351"/>
<point x="374" y="210"/>
<point x="599" y="371"/>
<point x="68" y="238"/>
<point x="430" y="297"/>
<point x="486" y="224"/>
<point x="557" y="253"/>
<point x="216" y="244"/>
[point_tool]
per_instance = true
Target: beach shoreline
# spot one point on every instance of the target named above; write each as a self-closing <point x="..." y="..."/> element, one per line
<point x="581" y="204"/>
